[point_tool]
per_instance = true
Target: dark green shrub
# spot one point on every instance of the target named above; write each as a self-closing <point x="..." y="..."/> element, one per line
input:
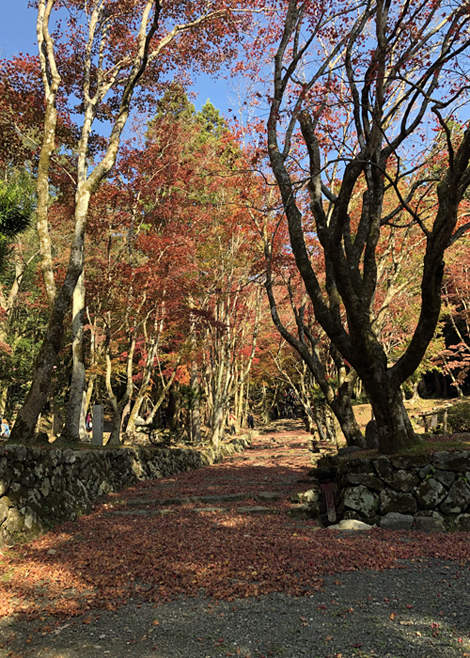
<point x="458" y="418"/>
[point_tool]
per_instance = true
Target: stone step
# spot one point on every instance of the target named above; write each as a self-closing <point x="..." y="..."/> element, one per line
<point x="140" y="512"/>
<point x="295" y="511"/>
<point x="222" y="498"/>
<point x="282" y="455"/>
<point x="140" y="502"/>
<point x="257" y="510"/>
<point x="267" y="495"/>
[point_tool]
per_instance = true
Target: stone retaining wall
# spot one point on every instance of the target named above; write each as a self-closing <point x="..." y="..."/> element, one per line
<point x="42" y="486"/>
<point x="403" y="492"/>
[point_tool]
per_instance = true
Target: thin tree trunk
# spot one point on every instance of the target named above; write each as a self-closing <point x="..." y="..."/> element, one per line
<point x="118" y="406"/>
<point x="195" y="404"/>
<point x="114" y="439"/>
<point x="437" y="383"/>
<point x="415" y="395"/>
<point x="240" y="413"/>
<point x="57" y="422"/>
<point x="3" y="397"/>
<point x="319" y="423"/>
<point x="217" y="426"/>
<point x="141" y="393"/>
<point x="74" y="429"/>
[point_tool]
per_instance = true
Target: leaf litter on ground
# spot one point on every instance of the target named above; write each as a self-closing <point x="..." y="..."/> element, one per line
<point x="104" y="560"/>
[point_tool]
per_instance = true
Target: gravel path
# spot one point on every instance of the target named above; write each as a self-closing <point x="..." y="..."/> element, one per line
<point x="419" y="611"/>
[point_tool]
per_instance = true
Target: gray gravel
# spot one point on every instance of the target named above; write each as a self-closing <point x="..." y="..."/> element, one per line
<point x="419" y="611"/>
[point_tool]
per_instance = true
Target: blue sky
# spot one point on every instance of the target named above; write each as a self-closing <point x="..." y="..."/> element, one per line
<point x="18" y="34"/>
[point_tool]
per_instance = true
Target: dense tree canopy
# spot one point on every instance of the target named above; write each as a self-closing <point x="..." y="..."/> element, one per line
<point x="164" y="237"/>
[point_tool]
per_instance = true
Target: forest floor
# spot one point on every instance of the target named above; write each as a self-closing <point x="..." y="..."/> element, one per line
<point x="209" y="563"/>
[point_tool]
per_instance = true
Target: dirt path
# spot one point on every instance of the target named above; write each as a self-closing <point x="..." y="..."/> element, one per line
<point x="211" y="563"/>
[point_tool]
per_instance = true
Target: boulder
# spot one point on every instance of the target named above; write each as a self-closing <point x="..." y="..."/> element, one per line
<point x="4" y="484"/>
<point x="323" y="473"/>
<point x="372" y="435"/>
<point x="350" y="524"/>
<point x="412" y="463"/>
<point x="368" y="480"/>
<point x="5" y="505"/>
<point x="27" y="479"/>
<point x="452" y="461"/>
<point x="383" y="467"/>
<point x="446" y="478"/>
<point x="310" y="496"/>
<point x="397" y="521"/>
<point x="360" y="499"/>
<point x="14" y="523"/>
<point x="69" y="456"/>
<point x="349" y="450"/>
<point x="462" y="522"/>
<point x="104" y="488"/>
<point x="427" y="470"/>
<point x="396" y="501"/>
<point x="357" y="465"/>
<point x="429" y="523"/>
<point x="430" y="493"/>
<point x="402" y="481"/>
<point x="458" y="499"/>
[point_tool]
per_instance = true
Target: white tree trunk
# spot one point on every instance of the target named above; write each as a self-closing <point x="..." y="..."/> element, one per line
<point x="74" y="429"/>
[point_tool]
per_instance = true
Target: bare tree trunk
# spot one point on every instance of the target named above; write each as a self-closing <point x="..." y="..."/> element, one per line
<point x="141" y="393"/>
<point x="57" y="422"/>
<point x="195" y="404"/>
<point x="114" y="439"/>
<point x="74" y="429"/>
<point x="319" y="420"/>
<point x="437" y="382"/>
<point x="240" y="407"/>
<point x="173" y="407"/>
<point x="24" y="427"/>
<point x="415" y="394"/>
<point x="3" y="397"/>
<point x="217" y="426"/>
<point x="393" y="423"/>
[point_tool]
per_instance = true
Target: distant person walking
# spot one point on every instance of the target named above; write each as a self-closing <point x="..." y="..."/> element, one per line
<point x="231" y="422"/>
<point x="251" y="422"/>
<point x="5" y="429"/>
